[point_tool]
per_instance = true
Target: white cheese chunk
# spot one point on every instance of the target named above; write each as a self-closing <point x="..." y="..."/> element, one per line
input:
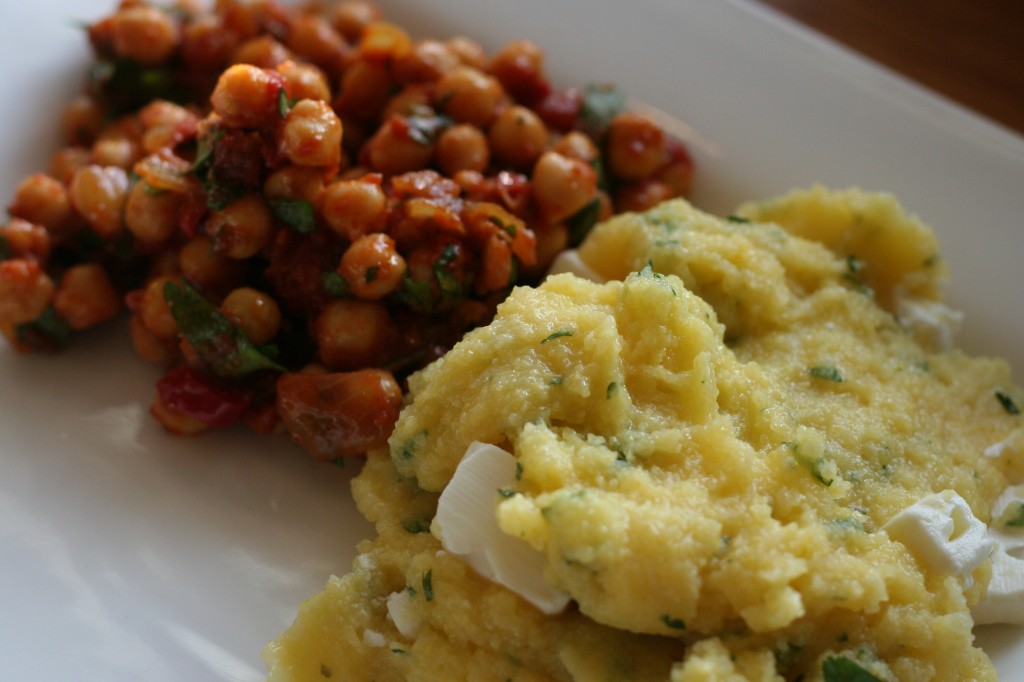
<point x="932" y="323"/>
<point x="403" y="613"/>
<point x="467" y="526"/>
<point x="570" y="261"/>
<point x="1004" y="600"/>
<point x="941" y="531"/>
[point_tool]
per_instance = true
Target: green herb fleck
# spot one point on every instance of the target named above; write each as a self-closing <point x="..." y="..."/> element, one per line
<point x="601" y="103"/>
<point x="284" y="104"/>
<point x="420" y="524"/>
<point x="557" y="380"/>
<point x="519" y="471"/>
<point x="371" y="273"/>
<point x="428" y="585"/>
<point x="295" y="213"/>
<point x="335" y="285"/>
<point x="842" y="669"/>
<point x="737" y="219"/>
<point x="509" y="228"/>
<point x="557" y="335"/>
<point x="204" y="152"/>
<point x="506" y="492"/>
<point x="674" y="623"/>
<point x="47" y="332"/>
<point x="582" y="221"/>
<point x="1007" y="402"/>
<point x="612" y="389"/>
<point x="416" y="294"/>
<point x="425" y="126"/>
<point x="1013" y="515"/>
<point x="399" y="651"/>
<point x="826" y="372"/>
<point x="219" y="342"/>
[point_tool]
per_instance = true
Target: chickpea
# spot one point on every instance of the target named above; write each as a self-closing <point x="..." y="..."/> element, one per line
<point x="305" y="81"/>
<point x="577" y="145"/>
<point x="551" y="241"/>
<point x="353" y="208"/>
<point x="312" y="134"/>
<point x="313" y="37"/>
<point x="677" y="172"/>
<point x="462" y="148"/>
<point x="562" y="186"/>
<point x="411" y="99"/>
<point x="393" y="149"/>
<point x="469" y="52"/>
<point x="21" y="239"/>
<point x="42" y="200"/>
<point x="144" y="34"/>
<point x="99" y="194"/>
<point x="151" y="215"/>
<point x="351" y="333"/>
<point x="115" y="151"/>
<point x="636" y="146"/>
<point x="352" y="16"/>
<point x="519" y="67"/>
<point x="295" y="182"/>
<point x="518" y="137"/>
<point x="263" y="52"/>
<point x="469" y="96"/>
<point x="66" y="162"/>
<point x="25" y="291"/>
<point x="149" y="346"/>
<point x="82" y="120"/>
<point x="86" y="296"/>
<point x="642" y="195"/>
<point x="426" y="62"/>
<point x="384" y="41"/>
<point x="206" y="269"/>
<point x="206" y="44"/>
<point x="247" y="96"/>
<point x="152" y="309"/>
<point x="495" y="271"/>
<point x="366" y="88"/>
<point x="255" y="313"/>
<point x="241" y="229"/>
<point x="372" y="266"/>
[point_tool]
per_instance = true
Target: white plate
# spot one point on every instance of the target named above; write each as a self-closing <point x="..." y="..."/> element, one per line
<point x="127" y="554"/>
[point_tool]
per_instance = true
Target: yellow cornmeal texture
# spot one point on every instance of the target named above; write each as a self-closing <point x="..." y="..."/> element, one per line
<point x="708" y="447"/>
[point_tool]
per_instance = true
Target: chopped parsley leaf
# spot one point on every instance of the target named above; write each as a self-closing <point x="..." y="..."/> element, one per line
<point x="842" y="669"/>
<point x="428" y="585"/>
<point x="558" y="334"/>
<point x="47" y="332"/>
<point x="1007" y="402"/>
<point x="418" y="525"/>
<point x="335" y="285"/>
<point x="601" y="103"/>
<point x="737" y="219"/>
<point x="295" y="213"/>
<point x="611" y="390"/>
<point x="674" y="623"/>
<point x="826" y="372"/>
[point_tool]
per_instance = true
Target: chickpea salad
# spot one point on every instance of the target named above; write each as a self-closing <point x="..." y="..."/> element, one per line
<point x="299" y="205"/>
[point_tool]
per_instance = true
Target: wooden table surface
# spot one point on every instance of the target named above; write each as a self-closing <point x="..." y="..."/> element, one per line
<point x="971" y="51"/>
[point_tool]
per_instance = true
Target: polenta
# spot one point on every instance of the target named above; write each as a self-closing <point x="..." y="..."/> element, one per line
<point x="709" y="448"/>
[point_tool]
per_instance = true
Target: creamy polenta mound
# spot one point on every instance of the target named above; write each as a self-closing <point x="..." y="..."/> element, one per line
<point x="707" y="448"/>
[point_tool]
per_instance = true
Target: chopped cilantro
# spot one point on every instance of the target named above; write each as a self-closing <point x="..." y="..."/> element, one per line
<point x="506" y="492"/>
<point x="284" y="105"/>
<point x="613" y="387"/>
<point x="674" y="623"/>
<point x="557" y="335"/>
<point x="47" y="332"/>
<point x="295" y="213"/>
<point x="1007" y="402"/>
<point x="219" y="342"/>
<point x="204" y="152"/>
<point x="826" y="372"/>
<point x="428" y="585"/>
<point x="582" y="221"/>
<point x="737" y="219"/>
<point x="601" y="103"/>
<point x="842" y="669"/>
<point x="335" y="285"/>
<point x="416" y="294"/>
<point x="420" y="524"/>
<point x="425" y="126"/>
<point x="519" y="471"/>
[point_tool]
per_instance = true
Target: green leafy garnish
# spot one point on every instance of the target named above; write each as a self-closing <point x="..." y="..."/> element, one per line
<point x="674" y="623"/>
<point x="613" y="387"/>
<point x="425" y="126"/>
<point x="123" y="85"/>
<point x="217" y="340"/>
<point x="284" y="105"/>
<point x="47" y="332"/>
<point x="826" y="372"/>
<point x="428" y="585"/>
<point x="558" y="334"/>
<point x="420" y="524"/>
<point x="1013" y="515"/>
<point x="295" y="213"/>
<point x="205" y="148"/>
<point x="601" y="103"/>
<point x="737" y="219"/>
<point x="842" y="669"/>
<point x="582" y="221"/>
<point x="335" y="285"/>
<point x="1007" y="402"/>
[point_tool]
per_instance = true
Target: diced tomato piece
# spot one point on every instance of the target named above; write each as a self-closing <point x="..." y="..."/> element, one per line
<point x="187" y="392"/>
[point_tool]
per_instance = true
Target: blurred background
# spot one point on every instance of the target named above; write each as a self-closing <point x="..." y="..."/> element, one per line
<point x="971" y="51"/>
